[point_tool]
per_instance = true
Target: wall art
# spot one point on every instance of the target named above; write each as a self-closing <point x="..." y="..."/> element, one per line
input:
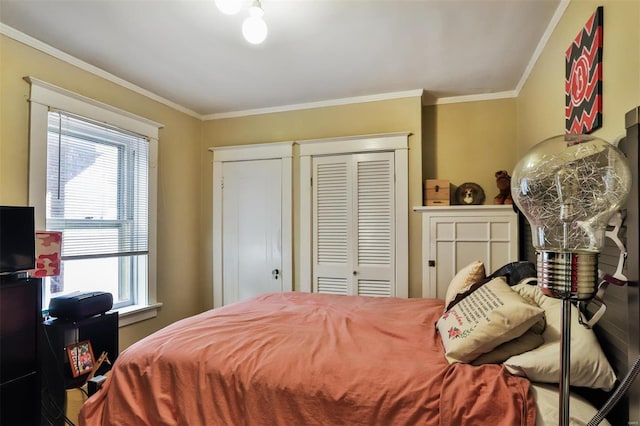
<point x="583" y="84"/>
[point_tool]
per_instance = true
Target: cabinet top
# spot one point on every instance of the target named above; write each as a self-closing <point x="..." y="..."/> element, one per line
<point x="475" y="208"/>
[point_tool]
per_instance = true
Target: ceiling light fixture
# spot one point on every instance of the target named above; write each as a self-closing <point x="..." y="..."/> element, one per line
<point x="254" y="29"/>
<point x="229" y="7"/>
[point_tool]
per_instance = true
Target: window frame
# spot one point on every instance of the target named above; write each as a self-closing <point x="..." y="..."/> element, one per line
<point x="45" y="96"/>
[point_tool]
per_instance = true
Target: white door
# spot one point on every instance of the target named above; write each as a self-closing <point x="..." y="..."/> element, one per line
<point x="251" y="228"/>
<point x="353" y="223"/>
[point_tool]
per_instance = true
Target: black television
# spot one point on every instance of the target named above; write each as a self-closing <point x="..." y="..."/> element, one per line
<point x="17" y="239"/>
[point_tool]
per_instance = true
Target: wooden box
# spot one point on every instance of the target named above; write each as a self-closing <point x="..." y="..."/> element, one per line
<point x="437" y="192"/>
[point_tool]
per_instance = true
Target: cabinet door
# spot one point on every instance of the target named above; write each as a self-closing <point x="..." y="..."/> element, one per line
<point x="456" y="241"/>
<point x="353" y="222"/>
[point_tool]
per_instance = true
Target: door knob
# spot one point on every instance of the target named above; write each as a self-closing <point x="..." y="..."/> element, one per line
<point x="275" y="273"/>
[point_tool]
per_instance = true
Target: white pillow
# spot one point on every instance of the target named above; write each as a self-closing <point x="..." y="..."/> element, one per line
<point x="589" y="366"/>
<point x="547" y="397"/>
<point x="488" y="317"/>
<point x="465" y="277"/>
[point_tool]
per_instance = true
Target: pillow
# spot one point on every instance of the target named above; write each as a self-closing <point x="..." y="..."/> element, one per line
<point x="465" y="277"/>
<point x="546" y="396"/>
<point x="589" y="366"/>
<point x="531" y="339"/>
<point x="464" y="292"/>
<point x="490" y="316"/>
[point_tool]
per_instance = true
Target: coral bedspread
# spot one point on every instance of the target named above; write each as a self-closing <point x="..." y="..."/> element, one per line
<point x="306" y="359"/>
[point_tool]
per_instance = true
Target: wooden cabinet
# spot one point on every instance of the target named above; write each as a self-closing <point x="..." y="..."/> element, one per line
<point x="454" y="236"/>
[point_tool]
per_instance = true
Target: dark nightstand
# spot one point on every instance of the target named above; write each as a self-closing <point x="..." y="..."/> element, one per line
<point x="57" y="334"/>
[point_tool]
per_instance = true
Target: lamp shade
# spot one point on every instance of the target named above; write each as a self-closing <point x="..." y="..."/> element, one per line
<point x="48" y="244"/>
<point x="229" y="7"/>
<point x="254" y="29"/>
<point x="568" y="187"/>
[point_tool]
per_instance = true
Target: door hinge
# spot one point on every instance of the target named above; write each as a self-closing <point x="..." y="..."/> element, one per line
<point x="432" y="263"/>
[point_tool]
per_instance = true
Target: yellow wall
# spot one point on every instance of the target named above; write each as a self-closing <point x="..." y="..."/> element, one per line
<point x="180" y="282"/>
<point x="183" y="232"/>
<point x="469" y="142"/>
<point x="540" y="105"/>
<point x="460" y="142"/>
<point x="398" y="115"/>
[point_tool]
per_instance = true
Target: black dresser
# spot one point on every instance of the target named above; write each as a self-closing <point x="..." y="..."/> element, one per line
<point x="20" y="322"/>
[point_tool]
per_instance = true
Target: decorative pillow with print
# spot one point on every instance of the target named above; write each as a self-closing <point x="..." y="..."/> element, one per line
<point x="488" y="317"/>
<point x="463" y="280"/>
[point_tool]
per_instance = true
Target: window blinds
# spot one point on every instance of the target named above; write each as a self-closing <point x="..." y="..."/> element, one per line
<point x="97" y="188"/>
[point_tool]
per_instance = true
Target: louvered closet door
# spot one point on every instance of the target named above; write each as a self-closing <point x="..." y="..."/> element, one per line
<point x="353" y="222"/>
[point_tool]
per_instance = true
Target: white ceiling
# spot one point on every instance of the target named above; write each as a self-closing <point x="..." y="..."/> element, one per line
<point x="190" y="54"/>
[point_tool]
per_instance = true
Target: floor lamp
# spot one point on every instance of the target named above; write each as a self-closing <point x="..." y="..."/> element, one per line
<point x="568" y="187"/>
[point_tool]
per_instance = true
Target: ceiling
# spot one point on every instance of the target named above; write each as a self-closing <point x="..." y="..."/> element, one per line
<point x="188" y="53"/>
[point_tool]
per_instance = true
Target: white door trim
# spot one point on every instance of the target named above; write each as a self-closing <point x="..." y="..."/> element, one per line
<point x="280" y="150"/>
<point x="397" y="142"/>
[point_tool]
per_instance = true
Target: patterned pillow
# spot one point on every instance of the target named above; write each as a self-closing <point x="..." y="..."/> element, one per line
<point x="485" y="319"/>
<point x="465" y="277"/>
<point x="528" y="341"/>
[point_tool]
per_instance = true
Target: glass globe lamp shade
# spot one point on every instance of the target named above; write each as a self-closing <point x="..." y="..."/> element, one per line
<point x="254" y="29"/>
<point x="568" y="187"/>
<point x="229" y="7"/>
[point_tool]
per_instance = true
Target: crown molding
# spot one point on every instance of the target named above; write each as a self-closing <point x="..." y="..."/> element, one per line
<point x="426" y="98"/>
<point x="473" y="98"/>
<point x="555" y="19"/>
<point x="58" y="54"/>
<point x="319" y="104"/>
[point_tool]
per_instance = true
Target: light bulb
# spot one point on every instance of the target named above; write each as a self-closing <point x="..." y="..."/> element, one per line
<point x="568" y="187"/>
<point x="254" y="29"/>
<point x="229" y="7"/>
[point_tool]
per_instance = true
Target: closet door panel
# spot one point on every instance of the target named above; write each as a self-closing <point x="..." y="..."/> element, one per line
<point x="332" y="220"/>
<point x="353" y="219"/>
<point x="375" y="233"/>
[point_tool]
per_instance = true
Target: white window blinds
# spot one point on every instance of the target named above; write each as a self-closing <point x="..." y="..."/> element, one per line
<point x="97" y="188"/>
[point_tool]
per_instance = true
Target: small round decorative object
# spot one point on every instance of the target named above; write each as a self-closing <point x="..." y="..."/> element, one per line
<point x="469" y="193"/>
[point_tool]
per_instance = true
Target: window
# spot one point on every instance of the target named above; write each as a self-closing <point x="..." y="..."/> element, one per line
<point x="97" y="195"/>
<point x="92" y="176"/>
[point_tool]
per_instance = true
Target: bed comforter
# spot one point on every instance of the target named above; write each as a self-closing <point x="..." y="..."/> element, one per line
<point x="306" y="359"/>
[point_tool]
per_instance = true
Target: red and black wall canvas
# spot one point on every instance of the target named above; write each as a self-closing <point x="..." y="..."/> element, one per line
<point x="583" y="84"/>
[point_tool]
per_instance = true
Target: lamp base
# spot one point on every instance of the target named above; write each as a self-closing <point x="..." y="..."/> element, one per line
<point x="568" y="275"/>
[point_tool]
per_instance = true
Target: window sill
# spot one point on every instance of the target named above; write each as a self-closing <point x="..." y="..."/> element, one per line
<point x="137" y="313"/>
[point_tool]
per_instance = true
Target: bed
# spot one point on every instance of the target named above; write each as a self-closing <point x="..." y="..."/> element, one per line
<point x="300" y="358"/>
<point x="317" y="359"/>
